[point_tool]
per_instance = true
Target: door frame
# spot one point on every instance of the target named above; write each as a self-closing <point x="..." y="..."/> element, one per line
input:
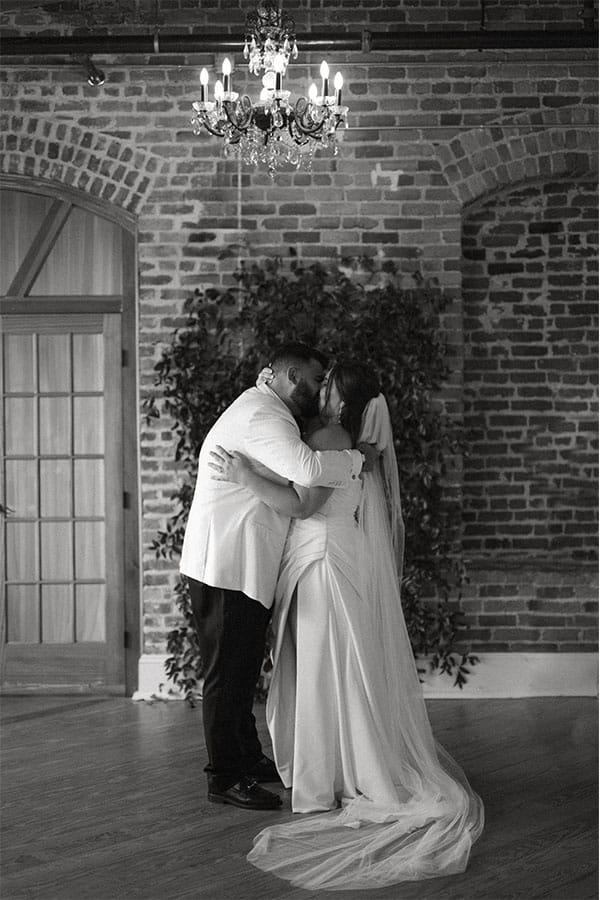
<point x="126" y="305"/>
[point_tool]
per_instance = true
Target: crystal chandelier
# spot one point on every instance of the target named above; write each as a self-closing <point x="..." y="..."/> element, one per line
<point x="271" y="131"/>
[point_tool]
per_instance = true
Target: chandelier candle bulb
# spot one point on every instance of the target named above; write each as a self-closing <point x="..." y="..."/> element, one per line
<point x="219" y="91"/>
<point x="278" y="66"/>
<point x="226" y="69"/>
<point x="325" y="77"/>
<point x="203" y="84"/>
<point x="338" y="82"/>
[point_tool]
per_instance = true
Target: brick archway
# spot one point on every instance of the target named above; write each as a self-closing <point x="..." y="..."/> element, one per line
<point x="549" y="143"/>
<point x="105" y="167"/>
<point x="530" y="309"/>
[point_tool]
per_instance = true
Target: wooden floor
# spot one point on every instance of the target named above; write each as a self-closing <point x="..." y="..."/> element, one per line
<point x="104" y="798"/>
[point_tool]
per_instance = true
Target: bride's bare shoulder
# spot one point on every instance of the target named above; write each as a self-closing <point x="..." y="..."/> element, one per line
<point x="329" y="437"/>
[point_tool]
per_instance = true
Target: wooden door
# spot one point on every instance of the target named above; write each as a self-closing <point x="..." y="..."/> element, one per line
<point x="69" y="566"/>
<point x="62" y="473"/>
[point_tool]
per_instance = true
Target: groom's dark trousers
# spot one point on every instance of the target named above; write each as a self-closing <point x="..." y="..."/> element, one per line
<point x="231" y="630"/>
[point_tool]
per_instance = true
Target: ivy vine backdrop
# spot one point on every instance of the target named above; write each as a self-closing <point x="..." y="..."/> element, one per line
<point x="358" y="310"/>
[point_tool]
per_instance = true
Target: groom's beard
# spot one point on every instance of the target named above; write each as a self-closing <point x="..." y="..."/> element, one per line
<point x="305" y="400"/>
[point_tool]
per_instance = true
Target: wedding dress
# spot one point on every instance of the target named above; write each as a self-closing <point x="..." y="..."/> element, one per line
<point x="345" y="710"/>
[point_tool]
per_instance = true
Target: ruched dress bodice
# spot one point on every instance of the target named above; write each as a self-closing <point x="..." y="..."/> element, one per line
<point x="332" y="531"/>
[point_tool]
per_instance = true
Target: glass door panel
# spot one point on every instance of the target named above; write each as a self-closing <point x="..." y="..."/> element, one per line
<point x="90" y="614"/>
<point x="22" y="486"/>
<point x="56" y="488"/>
<point x="54" y="363"/>
<point x="55" y="425"/>
<point x="56" y="550"/>
<point x="57" y="614"/>
<point x="20" y="426"/>
<point x="23" y="614"/>
<point x="19" y="363"/>
<point x="88" y="489"/>
<point x="21" y="551"/>
<point x="88" y="425"/>
<point x="88" y="362"/>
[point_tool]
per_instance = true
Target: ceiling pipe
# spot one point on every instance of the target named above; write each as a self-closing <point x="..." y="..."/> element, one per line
<point x="364" y="41"/>
<point x="484" y="40"/>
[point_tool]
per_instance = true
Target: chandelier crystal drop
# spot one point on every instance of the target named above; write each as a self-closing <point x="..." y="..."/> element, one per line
<point x="271" y="131"/>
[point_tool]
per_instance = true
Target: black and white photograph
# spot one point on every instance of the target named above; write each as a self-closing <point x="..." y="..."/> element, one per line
<point x="299" y="436"/>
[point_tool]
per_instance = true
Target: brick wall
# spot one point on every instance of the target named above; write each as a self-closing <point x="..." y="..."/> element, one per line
<point x="531" y="607"/>
<point x="530" y="331"/>
<point x="530" y="260"/>
<point x="64" y="16"/>
<point x="435" y="139"/>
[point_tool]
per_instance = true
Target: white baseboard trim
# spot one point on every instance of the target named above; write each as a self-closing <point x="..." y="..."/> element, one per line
<point x="507" y="675"/>
<point x="497" y="675"/>
<point x="153" y="680"/>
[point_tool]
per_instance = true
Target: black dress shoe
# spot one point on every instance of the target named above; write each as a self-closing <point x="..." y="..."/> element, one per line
<point x="264" y="771"/>
<point x="247" y="795"/>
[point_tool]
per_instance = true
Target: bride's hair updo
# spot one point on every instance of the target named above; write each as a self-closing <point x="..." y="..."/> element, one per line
<point x="357" y="384"/>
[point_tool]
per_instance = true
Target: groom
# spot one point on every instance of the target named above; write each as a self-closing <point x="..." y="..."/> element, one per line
<point x="231" y="555"/>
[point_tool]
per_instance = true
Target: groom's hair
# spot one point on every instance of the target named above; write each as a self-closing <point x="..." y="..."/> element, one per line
<point x="295" y="353"/>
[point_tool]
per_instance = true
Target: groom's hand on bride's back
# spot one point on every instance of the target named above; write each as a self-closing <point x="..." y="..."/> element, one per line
<point x="371" y="455"/>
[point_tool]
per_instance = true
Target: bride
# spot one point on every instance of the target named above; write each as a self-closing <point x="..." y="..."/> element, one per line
<point x="345" y="710"/>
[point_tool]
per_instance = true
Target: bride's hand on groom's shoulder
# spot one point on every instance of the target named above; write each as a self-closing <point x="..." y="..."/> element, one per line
<point x="265" y="376"/>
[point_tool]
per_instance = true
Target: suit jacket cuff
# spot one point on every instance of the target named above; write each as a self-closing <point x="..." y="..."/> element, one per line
<point x="357" y="462"/>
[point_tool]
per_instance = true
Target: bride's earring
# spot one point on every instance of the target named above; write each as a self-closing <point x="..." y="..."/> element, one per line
<point x="338" y="416"/>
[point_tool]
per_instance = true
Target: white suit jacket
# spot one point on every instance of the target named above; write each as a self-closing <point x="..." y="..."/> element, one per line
<point x="232" y="539"/>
